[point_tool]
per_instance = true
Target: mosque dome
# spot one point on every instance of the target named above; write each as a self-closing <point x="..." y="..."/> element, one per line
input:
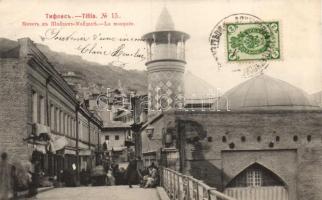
<point x="265" y="92"/>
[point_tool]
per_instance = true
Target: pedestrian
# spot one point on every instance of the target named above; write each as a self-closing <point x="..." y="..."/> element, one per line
<point x="74" y="174"/>
<point x="35" y="178"/>
<point x="5" y="177"/>
<point x="14" y="181"/>
<point x="110" y="177"/>
<point x="116" y="174"/>
<point x="122" y="177"/>
<point x="84" y="177"/>
<point x="132" y="173"/>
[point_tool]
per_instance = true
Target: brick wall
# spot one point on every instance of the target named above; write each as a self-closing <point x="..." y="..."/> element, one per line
<point x="235" y="140"/>
<point x="14" y="108"/>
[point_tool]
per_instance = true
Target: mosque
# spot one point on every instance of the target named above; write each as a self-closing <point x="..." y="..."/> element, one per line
<point x="266" y="145"/>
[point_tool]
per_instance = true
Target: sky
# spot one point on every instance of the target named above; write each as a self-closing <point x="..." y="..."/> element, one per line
<point x="299" y="21"/>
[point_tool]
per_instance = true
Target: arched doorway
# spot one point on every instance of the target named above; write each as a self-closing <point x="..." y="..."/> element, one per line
<point x="257" y="183"/>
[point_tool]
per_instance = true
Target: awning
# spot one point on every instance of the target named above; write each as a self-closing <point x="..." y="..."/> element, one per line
<point x="85" y="152"/>
<point x="70" y="152"/>
<point x="57" y="143"/>
<point x="117" y="148"/>
<point x="82" y="145"/>
<point x="40" y="147"/>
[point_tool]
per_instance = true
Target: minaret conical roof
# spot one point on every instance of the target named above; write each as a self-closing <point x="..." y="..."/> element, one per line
<point x="165" y="22"/>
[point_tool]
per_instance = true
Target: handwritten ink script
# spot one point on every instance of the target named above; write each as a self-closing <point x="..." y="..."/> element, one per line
<point x="98" y="43"/>
<point x="120" y="51"/>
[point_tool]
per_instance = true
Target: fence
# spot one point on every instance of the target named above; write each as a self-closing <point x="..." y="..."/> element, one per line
<point x="183" y="187"/>
<point x="262" y="193"/>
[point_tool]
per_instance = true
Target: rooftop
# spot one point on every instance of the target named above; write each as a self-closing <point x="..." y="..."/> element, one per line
<point x="115" y="124"/>
<point x="263" y="91"/>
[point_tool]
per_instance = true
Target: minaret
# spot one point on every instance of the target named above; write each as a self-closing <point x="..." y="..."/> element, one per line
<point x="165" y="64"/>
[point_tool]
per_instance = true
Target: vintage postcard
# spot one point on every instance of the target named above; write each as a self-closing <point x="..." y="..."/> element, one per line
<point x="147" y="100"/>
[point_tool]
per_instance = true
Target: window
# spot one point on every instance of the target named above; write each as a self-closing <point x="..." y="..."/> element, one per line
<point x="42" y="110"/>
<point x="57" y="120"/>
<point x="61" y="129"/>
<point x="66" y="125"/>
<point x="70" y="126"/>
<point x="73" y="128"/>
<point x="85" y="131"/>
<point x="231" y="145"/>
<point x="80" y="129"/>
<point x="52" y="117"/>
<point x="309" y="138"/>
<point x="256" y="176"/>
<point x="34" y="105"/>
<point x="129" y="134"/>
<point x="107" y="137"/>
<point x="94" y="137"/>
<point x="117" y="137"/>
<point x="259" y="138"/>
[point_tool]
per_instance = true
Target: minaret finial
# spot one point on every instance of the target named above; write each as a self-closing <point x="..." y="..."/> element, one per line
<point x="165" y="22"/>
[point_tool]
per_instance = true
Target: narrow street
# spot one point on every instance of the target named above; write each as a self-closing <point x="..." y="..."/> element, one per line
<point x="103" y="192"/>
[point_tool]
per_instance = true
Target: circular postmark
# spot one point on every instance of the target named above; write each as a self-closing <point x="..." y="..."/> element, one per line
<point x="231" y="42"/>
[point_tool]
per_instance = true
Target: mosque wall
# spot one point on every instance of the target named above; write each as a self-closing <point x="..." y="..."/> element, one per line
<point x="218" y="145"/>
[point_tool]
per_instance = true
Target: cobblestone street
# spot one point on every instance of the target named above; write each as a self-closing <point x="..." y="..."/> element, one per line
<point x="104" y="192"/>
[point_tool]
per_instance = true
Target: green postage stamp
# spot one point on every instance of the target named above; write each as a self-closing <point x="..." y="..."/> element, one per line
<point x="253" y="41"/>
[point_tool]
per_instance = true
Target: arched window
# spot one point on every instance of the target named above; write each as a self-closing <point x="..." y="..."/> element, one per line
<point x="256" y="176"/>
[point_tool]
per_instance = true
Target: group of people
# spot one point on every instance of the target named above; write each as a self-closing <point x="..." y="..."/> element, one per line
<point x="147" y="178"/>
<point x="104" y="174"/>
<point x="115" y="175"/>
<point x="16" y="177"/>
<point x="150" y="177"/>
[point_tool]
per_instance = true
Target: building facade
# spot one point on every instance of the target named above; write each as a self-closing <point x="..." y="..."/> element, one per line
<point x="117" y="141"/>
<point x="40" y="112"/>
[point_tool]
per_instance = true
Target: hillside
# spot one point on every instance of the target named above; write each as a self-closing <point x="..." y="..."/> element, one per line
<point x="108" y="76"/>
<point x="105" y="75"/>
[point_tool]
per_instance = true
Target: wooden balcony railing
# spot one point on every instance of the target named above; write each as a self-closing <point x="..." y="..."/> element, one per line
<point x="183" y="187"/>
